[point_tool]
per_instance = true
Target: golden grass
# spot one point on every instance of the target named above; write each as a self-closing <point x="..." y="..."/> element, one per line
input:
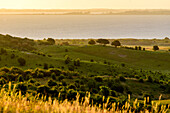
<point x="11" y="102"/>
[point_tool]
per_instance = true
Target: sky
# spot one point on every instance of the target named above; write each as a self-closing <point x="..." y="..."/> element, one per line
<point x="85" y="4"/>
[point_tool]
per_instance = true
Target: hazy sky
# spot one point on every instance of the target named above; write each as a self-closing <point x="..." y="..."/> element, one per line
<point x="82" y="4"/>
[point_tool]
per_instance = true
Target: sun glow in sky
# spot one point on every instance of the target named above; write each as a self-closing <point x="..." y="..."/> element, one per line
<point x="85" y="4"/>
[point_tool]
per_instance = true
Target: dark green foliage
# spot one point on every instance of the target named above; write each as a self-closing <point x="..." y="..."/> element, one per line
<point x="155" y="48"/>
<point x="43" y="89"/>
<point x="141" y="80"/>
<point x="72" y="86"/>
<point x="51" y="83"/>
<point x="103" y="41"/>
<point x="150" y="79"/>
<point x="45" y="66"/>
<point x="61" y="77"/>
<point x="113" y="93"/>
<point x="21" y="61"/>
<point x="71" y="68"/>
<point x="105" y="91"/>
<point x="12" y="56"/>
<point x="98" y="79"/>
<point x="20" y="78"/>
<point x="91" y="42"/>
<point x="143" y="49"/>
<point x="67" y="59"/>
<point x="71" y="94"/>
<point x="118" y="87"/>
<point x="91" y="60"/>
<point x="53" y="76"/>
<point x="51" y="41"/>
<point x="3" y="51"/>
<point x="21" y="87"/>
<point x="66" y="50"/>
<point x="116" y="43"/>
<point x="40" y="75"/>
<point x="77" y="62"/>
<point x="32" y="81"/>
<point x="140" y="48"/>
<point x="2" y="81"/>
<point x="121" y="78"/>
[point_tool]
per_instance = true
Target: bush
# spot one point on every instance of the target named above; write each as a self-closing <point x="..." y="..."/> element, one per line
<point x="141" y="80"/>
<point x="3" y="51"/>
<point x="98" y="79"/>
<point x="45" y="66"/>
<point x="150" y="79"/>
<point x="121" y="78"/>
<point x="21" y="87"/>
<point x="61" y="77"/>
<point x="51" y="41"/>
<point x="105" y="91"/>
<point x="77" y="62"/>
<point x="43" y="89"/>
<point x="72" y="86"/>
<point x="116" y="43"/>
<point x="21" y="61"/>
<point x="103" y="41"/>
<point x="91" y="60"/>
<point x="155" y="48"/>
<point x="53" y="76"/>
<point x="12" y="56"/>
<point x="91" y="42"/>
<point x="67" y="59"/>
<point x="2" y="81"/>
<point x="20" y="78"/>
<point x="51" y="83"/>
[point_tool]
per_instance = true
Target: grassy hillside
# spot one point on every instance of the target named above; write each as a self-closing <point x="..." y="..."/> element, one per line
<point x="51" y="69"/>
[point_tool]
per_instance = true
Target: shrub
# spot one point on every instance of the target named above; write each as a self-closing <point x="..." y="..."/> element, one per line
<point x="20" y="78"/>
<point x="2" y="81"/>
<point x="45" y="66"/>
<point x="66" y="50"/>
<point x="105" y="91"/>
<point x="150" y="79"/>
<point x="141" y="80"/>
<point x="77" y="62"/>
<point x="21" y="87"/>
<point x="3" y="51"/>
<point x="91" y="42"/>
<point x="155" y="48"/>
<point x="67" y="59"/>
<point x="91" y="60"/>
<point x="51" y="41"/>
<point x="98" y="79"/>
<point x="121" y="78"/>
<point x="116" y="43"/>
<point x="103" y="41"/>
<point x="61" y="77"/>
<point x="72" y="86"/>
<point x="21" y="61"/>
<point x="43" y="89"/>
<point x="12" y="56"/>
<point x="71" y="94"/>
<point x="53" y="76"/>
<point x="32" y="81"/>
<point x="51" y="83"/>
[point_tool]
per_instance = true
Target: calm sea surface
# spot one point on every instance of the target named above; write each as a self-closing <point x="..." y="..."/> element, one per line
<point x="86" y="26"/>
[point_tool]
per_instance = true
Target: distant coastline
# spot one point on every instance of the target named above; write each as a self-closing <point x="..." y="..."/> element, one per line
<point x="85" y="11"/>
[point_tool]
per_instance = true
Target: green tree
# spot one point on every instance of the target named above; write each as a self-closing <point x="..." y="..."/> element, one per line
<point x="155" y="48"/>
<point x="105" y="91"/>
<point x="103" y="41"/>
<point x="91" y="42"/>
<point x="51" y="41"/>
<point x="21" y="61"/>
<point x="116" y="43"/>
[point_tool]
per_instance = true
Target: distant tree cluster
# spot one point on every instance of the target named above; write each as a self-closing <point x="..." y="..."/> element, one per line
<point x="104" y="42"/>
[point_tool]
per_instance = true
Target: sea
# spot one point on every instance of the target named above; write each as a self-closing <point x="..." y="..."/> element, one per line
<point x="86" y="26"/>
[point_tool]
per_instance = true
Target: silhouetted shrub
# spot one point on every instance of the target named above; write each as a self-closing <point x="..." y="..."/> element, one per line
<point x="122" y="78"/>
<point x="43" y="89"/>
<point x="53" y="76"/>
<point x="150" y="79"/>
<point x="116" y="43"/>
<point x="77" y="62"/>
<point x="45" y="66"/>
<point x="2" y="81"/>
<point x="51" y="41"/>
<point x="21" y="61"/>
<point x="20" y="78"/>
<point x="98" y="79"/>
<point x="141" y="80"/>
<point x="12" y="56"/>
<point x="61" y="77"/>
<point x="67" y="59"/>
<point x="105" y="91"/>
<point x="103" y="41"/>
<point x="91" y="42"/>
<point x="155" y="48"/>
<point x="21" y="87"/>
<point x="91" y="60"/>
<point x="72" y="86"/>
<point x="51" y="83"/>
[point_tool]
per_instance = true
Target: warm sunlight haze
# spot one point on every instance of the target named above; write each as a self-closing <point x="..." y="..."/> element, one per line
<point x="85" y="4"/>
